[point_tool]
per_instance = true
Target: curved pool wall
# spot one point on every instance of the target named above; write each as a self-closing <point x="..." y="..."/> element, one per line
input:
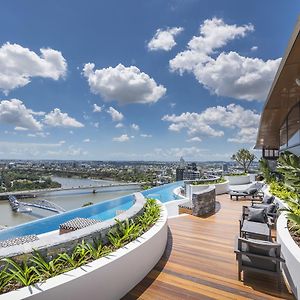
<point x="101" y="211"/>
<point x="164" y="193"/>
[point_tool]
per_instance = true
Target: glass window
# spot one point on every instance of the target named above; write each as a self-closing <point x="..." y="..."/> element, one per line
<point x="283" y="136"/>
<point x="293" y="124"/>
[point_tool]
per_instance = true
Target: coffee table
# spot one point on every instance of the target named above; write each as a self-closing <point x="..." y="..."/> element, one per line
<point x="256" y="230"/>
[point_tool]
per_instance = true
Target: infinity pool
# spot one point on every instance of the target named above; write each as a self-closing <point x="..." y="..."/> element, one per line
<point x="101" y="211"/>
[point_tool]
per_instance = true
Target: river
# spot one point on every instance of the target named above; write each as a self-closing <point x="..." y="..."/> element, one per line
<point x="68" y="200"/>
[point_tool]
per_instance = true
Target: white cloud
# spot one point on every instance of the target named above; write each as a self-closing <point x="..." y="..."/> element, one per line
<point x="66" y="152"/>
<point x="225" y="74"/>
<point x="56" y="118"/>
<point x="15" y="113"/>
<point x="18" y="65"/>
<point x="96" y="124"/>
<point x="62" y="142"/>
<point x="96" y="108"/>
<point x="164" y="39"/>
<point x="86" y="140"/>
<point x="18" y="128"/>
<point x="115" y="115"/>
<point x="245" y="136"/>
<point x="25" y="150"/>
<point x="175" y="153"/>
<point x="119" y="125"/>
<point x="143" y="135"/>
<point x="195" y="139"/>
<point x="135" y="127"/>
<point x="123" y="84"/>
<point x="122" y="138"/>
<point x="39" y="134"/>
<point x="231" y="116"/>
<point x="254" y="48"/>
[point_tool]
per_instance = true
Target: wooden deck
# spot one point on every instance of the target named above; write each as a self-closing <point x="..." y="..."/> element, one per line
<point x="199" y="262"/>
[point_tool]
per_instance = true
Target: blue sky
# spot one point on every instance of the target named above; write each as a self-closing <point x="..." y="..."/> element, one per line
<point x="136" y="80"/>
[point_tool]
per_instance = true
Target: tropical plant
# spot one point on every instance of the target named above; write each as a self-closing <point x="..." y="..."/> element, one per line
<point x="73" y="261"/>
<point x="266" y="171"/>
<point x="244" y="158"/>
<point x="87" y="204"/>
<point x="5" y="277"/>
<point x="44" y="268"/>
<point x="123" y="233"/>
<point x="97" y="250"/>
<point x="289" y="167"/>
<point x="24" y="274"/>
<point x="279" y="190"/>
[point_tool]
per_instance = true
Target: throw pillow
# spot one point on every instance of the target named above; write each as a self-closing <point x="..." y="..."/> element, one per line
<point x="257" y="215"/>
<point x="268" y="199"/>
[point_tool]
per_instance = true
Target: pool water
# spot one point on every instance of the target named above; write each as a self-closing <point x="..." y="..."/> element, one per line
<point x="101" y="211"/>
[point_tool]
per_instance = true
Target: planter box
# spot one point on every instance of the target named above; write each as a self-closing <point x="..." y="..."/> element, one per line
<point x="110" y="277"/>
<point x="221" y="188"/>
<point x="291" y="253"/>
<point x="239" y="179"/>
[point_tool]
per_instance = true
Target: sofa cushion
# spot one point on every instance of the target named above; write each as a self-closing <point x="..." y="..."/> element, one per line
<point x="268" y="199"/>
<point x="257" y="215"/>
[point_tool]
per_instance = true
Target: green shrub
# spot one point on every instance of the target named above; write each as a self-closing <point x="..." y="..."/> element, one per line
<point x="236" y="174"/>
<point x="220" y="180"/>
<point x="266" y="171"/>
<point x="289" y="167"/>
<point x="279" y="190"/>
<point x="87" y="204"/>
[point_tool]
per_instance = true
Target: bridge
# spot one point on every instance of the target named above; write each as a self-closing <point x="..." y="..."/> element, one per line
<point x="20" y="206"/>
<point x="94" y="189"/>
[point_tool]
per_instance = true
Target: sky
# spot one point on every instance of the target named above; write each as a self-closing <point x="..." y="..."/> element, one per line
<point x="137" y="80"/>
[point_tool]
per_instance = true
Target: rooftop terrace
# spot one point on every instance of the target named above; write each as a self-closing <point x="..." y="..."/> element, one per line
<point x="199" y="262"/>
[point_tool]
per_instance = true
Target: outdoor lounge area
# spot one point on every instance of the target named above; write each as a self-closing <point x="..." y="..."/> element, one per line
<point x="199" y="261"/>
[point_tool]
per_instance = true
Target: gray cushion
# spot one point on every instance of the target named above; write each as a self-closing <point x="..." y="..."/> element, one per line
<point x="270" y="208"/>
<point x="252" y="191"/>
<point x="268" y="199"/>
<point x="257" y="215"/>
<point x="259" y="263"/>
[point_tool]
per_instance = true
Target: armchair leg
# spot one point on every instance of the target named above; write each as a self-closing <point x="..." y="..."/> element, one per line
<point x="240" y="275"/>
<point x="279" y="285"/>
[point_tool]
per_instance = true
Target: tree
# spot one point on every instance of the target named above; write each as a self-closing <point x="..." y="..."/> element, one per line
<point x="244" y="158"/>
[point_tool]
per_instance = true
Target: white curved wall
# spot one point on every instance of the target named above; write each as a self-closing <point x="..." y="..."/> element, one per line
<point x="222" y="188"/>
<point x="190" y="189"/>
<point x="108" y="277"/>
<point x="291" y="253"/>
<point x="240" y="179"/>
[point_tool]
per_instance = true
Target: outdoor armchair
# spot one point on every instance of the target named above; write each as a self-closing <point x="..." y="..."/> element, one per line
<point x="258" y="256"/>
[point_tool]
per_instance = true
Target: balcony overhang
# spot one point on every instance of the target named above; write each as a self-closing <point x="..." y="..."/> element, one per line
<point x="283" y="95"/>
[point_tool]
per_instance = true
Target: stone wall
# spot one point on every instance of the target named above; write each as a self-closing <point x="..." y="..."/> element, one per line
<point x="204" y="202"/>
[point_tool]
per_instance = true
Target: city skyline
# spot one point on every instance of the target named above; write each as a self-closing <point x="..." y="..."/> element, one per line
<point x="136" y="81"/>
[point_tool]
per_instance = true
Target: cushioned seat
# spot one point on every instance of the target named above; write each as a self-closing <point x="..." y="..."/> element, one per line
<point x="260" y="256"/>
<point x="259" y="263"/>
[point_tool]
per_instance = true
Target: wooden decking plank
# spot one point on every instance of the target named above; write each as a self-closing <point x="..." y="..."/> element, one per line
<point x="199" y="262"/>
